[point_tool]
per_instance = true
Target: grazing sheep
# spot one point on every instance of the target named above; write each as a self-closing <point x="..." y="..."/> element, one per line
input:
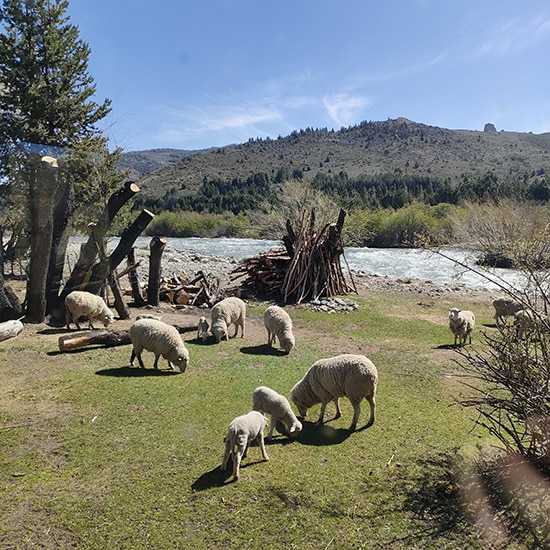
<point x="279" y="326"/>
<point x="225" y="313"/>
<point x="161" y="339"/>
<point x="242" y="430"/>
<point x="202" y="329"/>
<point x="351" y="376"/>
<point x="462" y="323"/>
<point x="504" y="308"/>
<point x="80" y="303"/>
<point x="268" y="401"/>
<point x="527" y="321"/>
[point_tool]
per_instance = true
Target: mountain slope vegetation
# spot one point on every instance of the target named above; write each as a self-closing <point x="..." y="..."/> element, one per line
<point x="397" y="146"/>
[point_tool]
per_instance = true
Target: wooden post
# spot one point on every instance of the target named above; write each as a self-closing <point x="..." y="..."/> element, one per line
<point x="156" y="246"/>
<point x="120" y="305"/>
<point x="133" y="276"/>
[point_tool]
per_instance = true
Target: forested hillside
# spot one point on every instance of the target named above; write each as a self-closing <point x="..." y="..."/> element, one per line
<point x="400" y="182"/>
<point x="398" y="147"/>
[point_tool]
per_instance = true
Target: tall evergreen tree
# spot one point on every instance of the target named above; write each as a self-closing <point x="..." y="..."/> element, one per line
<point x="47" y="107"/>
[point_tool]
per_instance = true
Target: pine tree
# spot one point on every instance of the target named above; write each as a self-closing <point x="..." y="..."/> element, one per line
<point x="47" y="107"/>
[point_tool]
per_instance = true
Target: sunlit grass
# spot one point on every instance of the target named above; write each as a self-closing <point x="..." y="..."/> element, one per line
<point x="134" y="461"/>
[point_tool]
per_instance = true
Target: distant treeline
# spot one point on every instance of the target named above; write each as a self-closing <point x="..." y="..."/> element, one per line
<point x="391" y="191"/>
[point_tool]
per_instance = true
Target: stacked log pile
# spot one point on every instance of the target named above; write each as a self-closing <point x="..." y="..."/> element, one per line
<point x="308" y="268"/>
<point x="182" y="291"/>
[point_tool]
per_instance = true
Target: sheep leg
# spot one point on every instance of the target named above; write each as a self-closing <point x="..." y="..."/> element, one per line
<point x="356" y="413"/>
<point x="372" y="402"/>
<point x="271" y="425"/>
<point x="321" y="413"/>
<point x="90" y="324"/>
<point x="156" y="363"/>
<point x="338" y="411"/>
<point x="226" y="454"/>
<point x="260" y="439"/>
<point x="237" y="457"/>
<point x="138" y="355"/>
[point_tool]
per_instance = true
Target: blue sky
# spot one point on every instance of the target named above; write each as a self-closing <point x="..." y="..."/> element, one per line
<point x="196" y="74"/>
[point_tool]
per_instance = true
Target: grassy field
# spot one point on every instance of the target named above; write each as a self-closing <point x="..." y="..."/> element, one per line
<point x="96" y="455"/>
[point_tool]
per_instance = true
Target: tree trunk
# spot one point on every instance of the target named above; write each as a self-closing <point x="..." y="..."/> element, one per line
<point x="156" y="246"/>
<point x="62" y="222"/>
<point x="43" y="183"/>
<point x="133" y="276"/>
<point x="83" y="276"/>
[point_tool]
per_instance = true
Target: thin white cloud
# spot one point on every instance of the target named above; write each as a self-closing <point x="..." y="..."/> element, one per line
<point x="344" y="109"/>
<point x="515" y="35"/>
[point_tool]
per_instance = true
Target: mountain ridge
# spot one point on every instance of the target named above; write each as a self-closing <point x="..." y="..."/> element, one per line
<point x="395" y="145"/>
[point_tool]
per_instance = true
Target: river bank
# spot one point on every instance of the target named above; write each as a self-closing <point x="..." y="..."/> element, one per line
<point x="188" y="262"/>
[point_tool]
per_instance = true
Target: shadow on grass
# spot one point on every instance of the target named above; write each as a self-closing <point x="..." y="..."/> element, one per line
<point x="218" y="477"/>
<point x="447" y="346"/>
<point x="214" y="478"/>
<point x="262" y="349"/>
<point x="133" y="372"/>
<point x="322" y="435"/>
<point x="428" y="492"/>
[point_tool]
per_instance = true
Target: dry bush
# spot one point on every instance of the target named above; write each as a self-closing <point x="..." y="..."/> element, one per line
<point x="295" y="198"/>
<point x="507" y="234"/>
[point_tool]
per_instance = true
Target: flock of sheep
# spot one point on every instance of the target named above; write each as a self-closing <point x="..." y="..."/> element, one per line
<point x="462" y="321"/>
<point x="347" y="375"/>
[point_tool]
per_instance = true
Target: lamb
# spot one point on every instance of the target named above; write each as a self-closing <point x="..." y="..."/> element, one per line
<point x="202" y="329"/>
<point x="161" y="339"/>
<point x="225" y="313"/>
<point x="279" y="326"/>
<point x="347" y="375"/>
<point x="504" y="308"/>
<point x="462" y="323"/>
<point x="80" y="303"/>
<point x="242" y="430"/>
<point x="268" y="401"/>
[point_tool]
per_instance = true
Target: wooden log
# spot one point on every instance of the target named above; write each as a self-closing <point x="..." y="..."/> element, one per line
<point x="109" y="338"/>
<point x="156" y="247"/>
<point x="9" y="329"/>
<point x="106" y="338"/>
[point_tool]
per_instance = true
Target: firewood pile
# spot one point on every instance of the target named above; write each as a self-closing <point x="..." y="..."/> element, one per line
<point x="182" y="291"/>
<point x="308" y="268"/>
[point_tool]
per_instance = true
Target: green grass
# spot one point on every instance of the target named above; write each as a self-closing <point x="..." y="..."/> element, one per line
<point x="109" y="457"/>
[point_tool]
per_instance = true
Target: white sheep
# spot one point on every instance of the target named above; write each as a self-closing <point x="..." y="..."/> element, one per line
<point x="462" y="323"/>
<point x="202" y="329"/>
<point x="279" y="326"/>
<point x="268" y="401"/>
<point x="80" y="303"/>
<point x="347" y="375"/>
<point x="161" y="339"/>
<point x="240" y="433"/>
<point x="225" y="313"/>
<point x="504" y="308"/>
<point x="527" y="321"/>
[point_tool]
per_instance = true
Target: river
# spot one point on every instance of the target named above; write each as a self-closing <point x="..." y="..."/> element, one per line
<point x="404" y="263"/>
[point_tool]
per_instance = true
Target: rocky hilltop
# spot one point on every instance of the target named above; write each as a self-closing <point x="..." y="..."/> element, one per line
<point x="399" y="145"/>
